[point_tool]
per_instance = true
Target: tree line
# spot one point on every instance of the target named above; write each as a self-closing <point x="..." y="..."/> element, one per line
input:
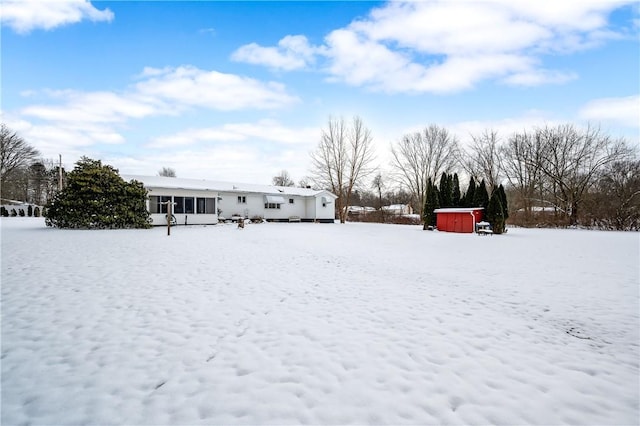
<point x="551" y="176"/>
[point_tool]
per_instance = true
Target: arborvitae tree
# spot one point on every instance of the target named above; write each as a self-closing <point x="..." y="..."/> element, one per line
<point x="456" y="197"/>
<point x="445" y="191"/>
<point x="431" y="203"/>
<point x="494" y="213"/>
<point x="36" y="212"/>
<point x="14" y="213"/>
<point x="4" y="212"/>
<point x="503" y="201"/>
<point x="97" y="197"/>
<point x="481" y="196"/>
<point x="30" y="210"/>
<point x="21" y="212"/>
<point x="471" y="192"/>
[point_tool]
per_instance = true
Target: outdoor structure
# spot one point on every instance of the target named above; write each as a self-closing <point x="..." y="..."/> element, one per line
<point x="458" y="219"/>
<point x="398" y="209"/>
<point x="203" y="202"/>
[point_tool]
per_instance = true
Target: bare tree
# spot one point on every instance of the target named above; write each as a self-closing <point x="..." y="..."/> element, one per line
<point x="167" y="172"/>
<point x="521" y="156"/>
<point x="283" y="179"/>
<point x="16" y="156"/>
<point x="423" y="155"/>
<point x="482" y="159"/>
<point x="572" y="159"/>
<point x="343" y="158"/>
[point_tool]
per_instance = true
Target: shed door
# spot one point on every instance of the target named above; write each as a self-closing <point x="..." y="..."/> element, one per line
<point x="464" y="223"/>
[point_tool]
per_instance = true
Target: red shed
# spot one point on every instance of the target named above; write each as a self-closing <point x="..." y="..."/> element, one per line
<point x="458" y="219"/>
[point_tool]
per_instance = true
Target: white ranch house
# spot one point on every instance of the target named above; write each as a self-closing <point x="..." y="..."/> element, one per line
<point x="204" y="202"/>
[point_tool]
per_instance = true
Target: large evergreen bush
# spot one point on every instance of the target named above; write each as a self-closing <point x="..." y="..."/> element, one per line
<point x="97" y="197"/>
<point x="30" y="210"/>
<point x="4" y="212"/>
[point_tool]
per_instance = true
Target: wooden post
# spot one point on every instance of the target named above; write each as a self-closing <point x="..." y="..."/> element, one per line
<point x="169" y="214"/>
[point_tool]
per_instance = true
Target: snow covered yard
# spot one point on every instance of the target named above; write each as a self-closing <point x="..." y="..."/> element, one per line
<point x="307" y="324"/>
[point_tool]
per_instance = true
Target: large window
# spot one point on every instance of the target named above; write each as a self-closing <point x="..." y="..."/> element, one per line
<point x="206" y="205"/>
<point x="242" y="199"/>
<point x="271" y="206"/>
<point x="158" y="204"/>
<point x="183" y="205"/>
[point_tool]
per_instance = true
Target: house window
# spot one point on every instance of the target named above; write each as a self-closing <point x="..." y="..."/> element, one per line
<point x="271" y="206"/>
<point x="156" y="204"/>
<point x="242" y="199"/>
<point x="290" y="200"/>
<point x="205" y="205"/>
<point x="183" y="205"/>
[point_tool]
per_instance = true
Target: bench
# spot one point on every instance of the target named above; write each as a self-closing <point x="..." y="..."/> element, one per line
<point x="294" y="219"/>
<point x="484" y="231"/>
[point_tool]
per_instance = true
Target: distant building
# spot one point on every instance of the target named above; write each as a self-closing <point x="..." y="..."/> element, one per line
<point x="199" y="202"/>
<point x="398" y="209"/>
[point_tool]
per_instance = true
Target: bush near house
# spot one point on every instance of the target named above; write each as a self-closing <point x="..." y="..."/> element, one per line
<point x="96" y="197"/>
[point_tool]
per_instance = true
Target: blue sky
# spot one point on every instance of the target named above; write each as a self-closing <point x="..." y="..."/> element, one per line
<point x="238" y="91"/>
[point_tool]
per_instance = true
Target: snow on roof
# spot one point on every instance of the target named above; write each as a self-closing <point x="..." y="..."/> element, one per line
<point x="208" y="185"/>
<point x="458" y="210"/>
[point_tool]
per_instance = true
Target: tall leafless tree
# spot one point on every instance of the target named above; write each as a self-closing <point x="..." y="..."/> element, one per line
<point x="572" y="159"/>
<point x="422" y="155"/>
<point x="343" y="159"/>
<point x="16" y="155"/>
<point x="520" y="159"/>
<point x="482" y="159"/>
<point x="283" y="179"/>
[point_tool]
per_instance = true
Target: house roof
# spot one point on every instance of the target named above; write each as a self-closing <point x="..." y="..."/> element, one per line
<point x="208" y="185"/>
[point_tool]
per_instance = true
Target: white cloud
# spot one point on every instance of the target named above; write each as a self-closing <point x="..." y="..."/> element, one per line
<point x="24" y="16"/>
<point x="624" y="111"/>
<point x="93" y="107"/>
<point x="261" y="131"/>
<point x="189" y="86"/>
<point x="292" y="52"/>
<point x="72" y="119"/>
<point x="438" y="46"/>
<point x="537" y="77"/>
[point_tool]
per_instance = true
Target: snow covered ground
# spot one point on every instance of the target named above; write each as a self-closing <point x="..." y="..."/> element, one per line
<point x="307" y="324"/>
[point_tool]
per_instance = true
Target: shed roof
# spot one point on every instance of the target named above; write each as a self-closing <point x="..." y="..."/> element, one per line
<point x="458" y="210"/>
<point x="202" y="184"/>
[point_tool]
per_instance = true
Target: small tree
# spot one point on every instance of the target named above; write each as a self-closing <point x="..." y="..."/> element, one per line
<point x="3" y="212"/>
<point x="431" y="203"/>
<point x="30" y="210"/>
<point x="481" y="196"/>
<point x="21" y="212"/>
<point x="36" y="212"/>
<point x="456" y="196"/>
<point x="97" y="197"/>
<point x="445" y="191"/>
<point x="495" y="213"/>
<point x="467" y="200"/>
<point x="283" y="179"/>
<point x="167" y="172"/>
<point x="503" y="201"/>
<point x="14" y="213"/>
